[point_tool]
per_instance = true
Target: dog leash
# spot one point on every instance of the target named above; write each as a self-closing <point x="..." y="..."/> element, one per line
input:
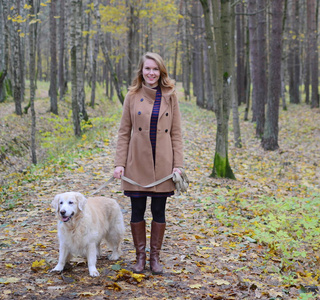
<point x="176" y="178"/>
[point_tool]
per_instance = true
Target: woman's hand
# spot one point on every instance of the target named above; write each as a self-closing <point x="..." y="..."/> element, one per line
<point x="177" y="170"/>
<point x="118" y="172"/>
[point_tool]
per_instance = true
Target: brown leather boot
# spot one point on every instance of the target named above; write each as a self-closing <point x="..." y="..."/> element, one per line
<point x="157" y="233"/>
<point x="138" y="231"/>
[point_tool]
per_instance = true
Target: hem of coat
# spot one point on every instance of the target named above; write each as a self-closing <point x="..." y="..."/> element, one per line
<point x="137" y="194"/>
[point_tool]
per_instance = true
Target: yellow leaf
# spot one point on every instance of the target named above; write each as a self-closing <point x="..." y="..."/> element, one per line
<point x="138" y="277"/>
<point x="10" y="266"/>
<point x="56" y="17"/>
<point x="195" y="286"/>
<point x="12" y="8"/>
<point x="42" y="4"/>
<point x="9" y="280"/>
<point x="38" y="264"/>
<point x="221" y="282"/>
<point x="22" y="34"/>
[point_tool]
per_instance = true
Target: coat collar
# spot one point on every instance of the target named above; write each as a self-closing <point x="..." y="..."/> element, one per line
<point x="150" y="93"/>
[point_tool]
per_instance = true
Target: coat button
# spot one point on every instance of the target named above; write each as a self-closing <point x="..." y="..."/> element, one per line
<point x="139" y="113"/>
<point x="141" y="99"/>
<point x="167" y="114"/>
<point x="166" y="130"/>
<point x="140" y="128"/>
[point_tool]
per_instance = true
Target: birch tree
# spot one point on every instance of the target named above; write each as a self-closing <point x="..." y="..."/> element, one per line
<point x="221" y="71"/>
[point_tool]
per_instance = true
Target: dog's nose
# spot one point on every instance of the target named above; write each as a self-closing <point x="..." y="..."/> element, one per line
<point x="62" y="212"/>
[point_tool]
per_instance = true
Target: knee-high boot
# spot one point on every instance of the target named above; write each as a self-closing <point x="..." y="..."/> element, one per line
<point x="138" y="231"/>
<point x="157" y="233"/>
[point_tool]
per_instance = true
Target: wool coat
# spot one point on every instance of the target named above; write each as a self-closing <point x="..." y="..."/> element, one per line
<point x="134" y="151"/>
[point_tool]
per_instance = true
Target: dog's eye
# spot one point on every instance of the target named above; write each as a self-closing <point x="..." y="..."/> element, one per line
<point x="61" y="202"/>
<point x="70" y="202"/>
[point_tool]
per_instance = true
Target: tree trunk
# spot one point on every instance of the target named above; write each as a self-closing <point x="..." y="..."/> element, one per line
<point x="53" y="63"/>
<point x="94" y="70"/>
<point x="220" y="56"/>
<point x="197" y="64"/>
<point x="252" y="20"/>
<point x="62" y="45"/>
<point x="270" y="137"/>
<point x="32" y="70"/>
<point x="293" y="56"/>
<point x="16" y="65"/>
<point x="80" y="69"/>
<point x="106" y="53"/>
<point x="186" y="52"/>
<point x="4" y="50"/>
<point x="234" y="98"/>
<point x="241" y="75"/>
<point x="261" y="87"/>
<point x="314" y="55"/>
<point x="74" y="73"/>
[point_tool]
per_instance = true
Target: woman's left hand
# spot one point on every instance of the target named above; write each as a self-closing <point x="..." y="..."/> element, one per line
<point x="176" y="170"/>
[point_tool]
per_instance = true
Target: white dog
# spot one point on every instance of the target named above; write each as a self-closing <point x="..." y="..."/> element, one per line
<point x="83" y="224"/>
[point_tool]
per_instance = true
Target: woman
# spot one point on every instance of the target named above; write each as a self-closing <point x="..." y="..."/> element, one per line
<point x="149" y="148"/>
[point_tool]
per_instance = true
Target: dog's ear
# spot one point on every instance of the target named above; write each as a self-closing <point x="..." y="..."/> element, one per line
<point x="55" y="202"/>
<point x="82" y="200"/>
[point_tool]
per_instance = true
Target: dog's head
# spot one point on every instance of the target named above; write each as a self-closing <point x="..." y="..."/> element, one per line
<point x="68" y="204"/>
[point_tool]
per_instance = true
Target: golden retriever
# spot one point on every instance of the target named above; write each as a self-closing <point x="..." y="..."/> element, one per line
<point x="83" y="224"/>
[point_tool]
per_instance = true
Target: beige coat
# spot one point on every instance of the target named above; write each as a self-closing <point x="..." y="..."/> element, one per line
<point x="134" y="151"/>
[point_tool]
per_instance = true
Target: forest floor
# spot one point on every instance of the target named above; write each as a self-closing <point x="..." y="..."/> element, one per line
<point x="256" y="237"/>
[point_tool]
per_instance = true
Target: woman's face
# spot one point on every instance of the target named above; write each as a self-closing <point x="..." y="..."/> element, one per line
<point x="150" y="73"/>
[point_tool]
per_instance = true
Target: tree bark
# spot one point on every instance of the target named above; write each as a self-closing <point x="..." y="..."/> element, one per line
<point x="314" y="55"/>
<point x="197" y="61"/>
<point x="16" y="65"/>
<point x="252" y="20"/>
<point x="241" y="75"/>
<point x="80" y="66"/>
<point x="220" y="57"/>
<point x="270" y="137"/>
<point x="261" y="83"/>
<point x="62" y="45"/>
<point x="94" y="70"/>
<point x="32" y="70"/>
<point x="53" y="62"/>
<point x="293" y="56"/>
<point x="74" y="73"/>
<point x="234" y="97"/>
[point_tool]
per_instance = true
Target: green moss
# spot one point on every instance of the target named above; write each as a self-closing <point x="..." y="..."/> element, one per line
<point x="222" y="168"/>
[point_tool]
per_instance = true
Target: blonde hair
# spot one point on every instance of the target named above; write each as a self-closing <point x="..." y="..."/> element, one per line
<point x="164" y="80"/>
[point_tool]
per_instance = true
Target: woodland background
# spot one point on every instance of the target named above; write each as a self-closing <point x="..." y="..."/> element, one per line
<point x="65" y="67"/>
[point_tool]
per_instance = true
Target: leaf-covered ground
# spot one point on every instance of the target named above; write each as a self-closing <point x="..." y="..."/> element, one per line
<point x="253" y="238"/>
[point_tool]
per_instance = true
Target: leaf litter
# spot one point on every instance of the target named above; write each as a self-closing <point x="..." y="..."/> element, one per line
<point x="253" y="238"/>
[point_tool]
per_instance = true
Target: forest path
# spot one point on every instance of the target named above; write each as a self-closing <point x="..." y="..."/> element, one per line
<point x="203" y="257"/>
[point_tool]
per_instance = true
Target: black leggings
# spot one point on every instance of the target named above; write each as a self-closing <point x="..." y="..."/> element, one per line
<point x="158" y="209"/>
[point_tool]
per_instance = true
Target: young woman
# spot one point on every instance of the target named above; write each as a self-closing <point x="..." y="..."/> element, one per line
<point x="149" y="148"/>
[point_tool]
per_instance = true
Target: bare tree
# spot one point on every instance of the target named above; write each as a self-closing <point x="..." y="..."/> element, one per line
<point x="4" y="49"/>
<point x="271" y="130"/>
<point x="32" y="70"/>
<point x="53" y="63"/>
<point x="16" y="59"/>
<point x="220" y="60"/>
<point x="74" y="73"/>
<point x="314" y="56"/>
<point x="61" y="52"/>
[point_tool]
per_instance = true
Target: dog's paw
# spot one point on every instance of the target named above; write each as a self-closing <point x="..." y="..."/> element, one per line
<point x="94" y="273"/>
<point x="114" y="256"/>
<point x="57" y="269"/>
